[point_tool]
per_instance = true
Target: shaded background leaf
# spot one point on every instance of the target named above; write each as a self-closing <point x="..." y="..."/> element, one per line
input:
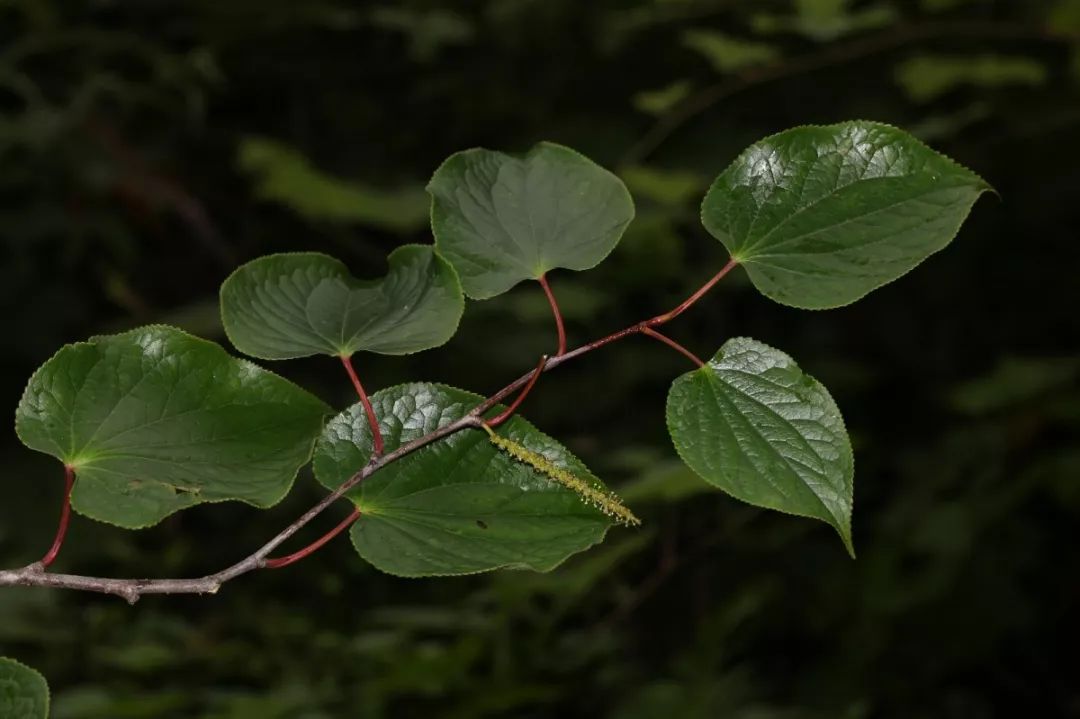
<point x="23" y="691"/>
<point x="282" y="174"/>
<point x="927" y="77"/>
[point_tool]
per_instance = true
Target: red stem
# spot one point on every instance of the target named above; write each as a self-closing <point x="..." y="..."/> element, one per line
<point x="639" y="328"/>
<point x="668" y="316"/>
<point x="133" y="589"/>
<point x="659" y="319"/>
<point x="279" y="562"/>
<point x="65" y="519"/>
<point x="673" y="344"/>
<point x="509" y="411"/>
<point x="526" y="383"/>
<point x="555" y="311"/>
<point x="373" y="421"/>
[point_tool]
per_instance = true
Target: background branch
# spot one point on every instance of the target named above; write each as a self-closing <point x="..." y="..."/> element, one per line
<point x="828" y="56"/>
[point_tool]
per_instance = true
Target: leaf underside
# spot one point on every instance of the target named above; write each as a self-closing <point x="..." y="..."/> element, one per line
<point x="300" y="304"/>
<point x="501" y="219"/>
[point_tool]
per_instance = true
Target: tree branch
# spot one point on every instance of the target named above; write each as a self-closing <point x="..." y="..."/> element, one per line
<point x="638" y="328"/>
<point x="34" y="575"/>
<point x="828" y="56"/>
<point x="279" y="562"/>
<point x="509" y="411"/>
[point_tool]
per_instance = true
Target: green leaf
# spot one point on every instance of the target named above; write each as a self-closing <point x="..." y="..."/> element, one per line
<point x="927" y="77"/>
<point x="667" y="483"/>
<point x="661" y="100"/>
<point x="1014" y="382"/>
<point x="672" y="188"/>
<point x="24" y="694"/>
<point x="428" y="31"/>
<point x="301" y="304"/>
<point x="726" y="53"/>
<point x="820" y="216"/>
<point x="154" y="421"/>
<point x="283" y="174"/>
<point x="501" y="219"/>
<point x="753" y="424"/>
<point x="825" y="20"/>
<point x="460" y="505"/>
<point x="1064" y="17"/>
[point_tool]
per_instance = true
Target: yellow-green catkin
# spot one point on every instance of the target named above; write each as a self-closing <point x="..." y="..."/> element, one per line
<point x="607" y="502"/>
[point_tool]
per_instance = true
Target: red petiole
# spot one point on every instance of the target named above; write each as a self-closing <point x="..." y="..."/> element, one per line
<point x="673" y="344"/>
<point x="509" y="411"/>
<point x="373" y="421"/>
<point x="689" y="301"/>
<point x="526" y="382"/>
<point x="280" y="562"/>
<point x="555" y="311"/>
<point x="65" y="519"/>
<point x="638" y="328"/>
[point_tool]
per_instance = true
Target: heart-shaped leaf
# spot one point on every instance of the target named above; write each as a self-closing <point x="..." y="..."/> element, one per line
<point x="501" y="219"/>
<point x="24" y="693"/>
<point x="459" y="505"/>
<point x="820" y="216"/>
<point x="301" y="304"/>
<point x="155" y="420"/>
<point x="751" y="423"/>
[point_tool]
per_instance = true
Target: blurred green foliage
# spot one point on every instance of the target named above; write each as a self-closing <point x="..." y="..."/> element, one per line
<point x="148" y="148"/>
<point x="284" y="175"/>
<point x="926" y="77"/>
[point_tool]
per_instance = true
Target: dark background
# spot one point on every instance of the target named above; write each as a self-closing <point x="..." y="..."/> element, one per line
<point x="147" y="148"/>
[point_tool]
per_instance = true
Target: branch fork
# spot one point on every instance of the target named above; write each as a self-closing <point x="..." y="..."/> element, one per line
<point x="131" y="590"/>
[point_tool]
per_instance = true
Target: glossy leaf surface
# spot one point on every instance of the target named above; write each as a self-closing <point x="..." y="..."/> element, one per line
<point x="23" y="692"/>
<point x="501" y="219"/>
<point x="300" y="304"/>
<point x="820" y="216"/>
<point x="155" y="420"/>
<point x="460" y="505"/>
<point x="753" y="424"/>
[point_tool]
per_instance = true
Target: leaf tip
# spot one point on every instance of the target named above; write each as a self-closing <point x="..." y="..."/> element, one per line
<point x="849" y="545"/>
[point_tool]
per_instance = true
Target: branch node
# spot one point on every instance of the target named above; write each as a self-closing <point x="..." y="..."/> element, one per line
<point x="673" y="344"/>
<point x="35" y="575"/>
<point x="509" y="411"/>
<point x="279" y="562"/>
